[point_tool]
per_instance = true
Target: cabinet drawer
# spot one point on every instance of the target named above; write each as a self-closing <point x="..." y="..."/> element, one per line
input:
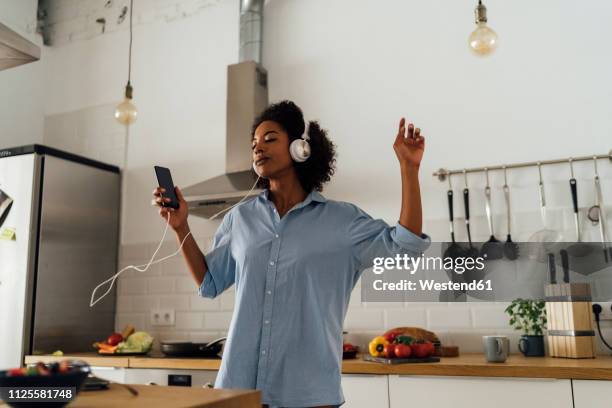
<point x="470" y="392"/>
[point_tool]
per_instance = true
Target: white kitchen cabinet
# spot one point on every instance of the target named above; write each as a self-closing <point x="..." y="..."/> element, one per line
<point x="476" y="392"/>
<point x="198" y="378"/>
<point x="592" y="393"/>
<point x="365" y="391"/>
<point x="110" y="373"/>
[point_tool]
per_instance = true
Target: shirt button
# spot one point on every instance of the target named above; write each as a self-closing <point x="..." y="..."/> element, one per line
<point x="263" y="351"/>
<point x="276" y="235"/>
<point x="271" y="262"/>
<point x="269" y="292"/>
<point x="267" y="322"/>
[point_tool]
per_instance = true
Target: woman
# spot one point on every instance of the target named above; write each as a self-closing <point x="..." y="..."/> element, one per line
<point x="295" y="257"/>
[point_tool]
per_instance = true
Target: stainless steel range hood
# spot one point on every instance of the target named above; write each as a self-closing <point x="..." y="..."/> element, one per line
<point x="247" y="96"/>
<point x="15" y="50"/>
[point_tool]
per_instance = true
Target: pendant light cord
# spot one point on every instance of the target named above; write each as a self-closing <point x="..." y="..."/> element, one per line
<point x="130" y="51"/>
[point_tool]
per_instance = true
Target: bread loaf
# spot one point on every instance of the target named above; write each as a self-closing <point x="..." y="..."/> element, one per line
<point x="416" y="333"/>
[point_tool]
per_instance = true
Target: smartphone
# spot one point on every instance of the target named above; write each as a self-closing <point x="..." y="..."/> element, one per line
<point x="164" y="179"/>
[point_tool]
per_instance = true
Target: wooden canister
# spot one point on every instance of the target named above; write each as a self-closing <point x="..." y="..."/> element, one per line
<point x="569" y="320"/>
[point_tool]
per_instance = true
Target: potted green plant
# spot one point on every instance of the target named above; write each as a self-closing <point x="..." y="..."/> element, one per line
<point x="529" y="316"/>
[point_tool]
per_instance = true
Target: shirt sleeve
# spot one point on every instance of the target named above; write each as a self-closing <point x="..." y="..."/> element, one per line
<point x="221" y="267"/>
<point x="372" y="238"/>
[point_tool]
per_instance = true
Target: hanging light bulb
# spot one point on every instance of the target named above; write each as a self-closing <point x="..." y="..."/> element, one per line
<point x="483" y="40"/>
<point x="126" y="112"/>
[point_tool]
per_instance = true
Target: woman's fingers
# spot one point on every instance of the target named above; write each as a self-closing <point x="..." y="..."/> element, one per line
<point x="158" y="201"/>
<point x="179" y="193"/>
<point x="417" y="133"/>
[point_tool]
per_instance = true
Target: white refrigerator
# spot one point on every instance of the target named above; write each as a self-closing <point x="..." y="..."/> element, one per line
<point x="59" y="226"/>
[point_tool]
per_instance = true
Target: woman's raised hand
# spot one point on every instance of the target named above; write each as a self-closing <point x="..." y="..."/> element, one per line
<point x="409" y="144"/>
<point x="178" y="217"/>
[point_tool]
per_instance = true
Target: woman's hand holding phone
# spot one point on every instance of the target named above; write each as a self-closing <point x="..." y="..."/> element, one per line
<point x="178" y="217"/>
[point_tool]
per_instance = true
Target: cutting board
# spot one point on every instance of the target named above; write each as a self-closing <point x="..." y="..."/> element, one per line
<point x="431" y="359"/>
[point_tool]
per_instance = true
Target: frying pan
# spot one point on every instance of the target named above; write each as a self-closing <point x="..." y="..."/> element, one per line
<point x="189" y="349"/>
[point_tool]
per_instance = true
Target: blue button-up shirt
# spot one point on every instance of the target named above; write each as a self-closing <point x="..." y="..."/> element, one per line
<point x="294" y="276"/>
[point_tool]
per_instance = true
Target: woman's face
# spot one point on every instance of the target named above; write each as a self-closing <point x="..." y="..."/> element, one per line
<point x="270" y="147"/>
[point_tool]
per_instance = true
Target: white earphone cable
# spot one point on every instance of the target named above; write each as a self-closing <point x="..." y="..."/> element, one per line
<point x="243" y="198"/>
<point x="139" y="268"/>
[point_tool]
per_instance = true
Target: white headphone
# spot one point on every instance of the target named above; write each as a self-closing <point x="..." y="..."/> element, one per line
<point x="299" y="150"/>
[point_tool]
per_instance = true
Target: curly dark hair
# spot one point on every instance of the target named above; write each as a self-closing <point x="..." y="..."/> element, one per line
<point x="321" y="164"/>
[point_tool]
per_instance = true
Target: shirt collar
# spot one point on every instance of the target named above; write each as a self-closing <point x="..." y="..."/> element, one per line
<point x="312" y="196"/>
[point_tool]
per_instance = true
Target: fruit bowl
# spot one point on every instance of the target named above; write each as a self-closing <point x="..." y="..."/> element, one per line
<point x="66" y="374"/>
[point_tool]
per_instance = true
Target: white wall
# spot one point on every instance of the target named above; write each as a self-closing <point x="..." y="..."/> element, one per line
<point x="357" y="67"/>
<point x="21" y="104"/>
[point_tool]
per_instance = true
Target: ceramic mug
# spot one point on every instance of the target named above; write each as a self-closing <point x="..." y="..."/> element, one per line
<point x="496" y="348"/>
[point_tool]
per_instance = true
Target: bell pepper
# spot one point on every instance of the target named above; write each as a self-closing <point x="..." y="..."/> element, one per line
<point x="377" y="346"/>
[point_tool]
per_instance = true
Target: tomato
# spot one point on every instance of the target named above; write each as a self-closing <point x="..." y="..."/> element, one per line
<point x="423" y="350"/>
<point x="389" y="350"/>
<point x="16" y="372"/>
<point x="402" y="350"/>
<point x="114" y="339"/>
<point x="390" y="336"/>
<point x="346" y="347"/>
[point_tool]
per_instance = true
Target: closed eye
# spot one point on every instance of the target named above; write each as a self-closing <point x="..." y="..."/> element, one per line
<point x="267" y="139"/>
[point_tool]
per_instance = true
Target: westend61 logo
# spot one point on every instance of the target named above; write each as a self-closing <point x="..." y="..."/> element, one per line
<point x="412" y="264"/>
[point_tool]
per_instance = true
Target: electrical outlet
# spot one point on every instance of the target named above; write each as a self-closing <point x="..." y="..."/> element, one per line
<point x="162" y="317"/>
<point x="606" y="312"/>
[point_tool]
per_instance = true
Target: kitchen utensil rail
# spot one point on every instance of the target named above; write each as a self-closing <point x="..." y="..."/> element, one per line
<point x="443" y="173"/>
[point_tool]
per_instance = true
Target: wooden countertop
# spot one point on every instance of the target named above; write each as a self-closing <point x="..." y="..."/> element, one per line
<point x="151" y="396"/>
<point x="599" y="368"/>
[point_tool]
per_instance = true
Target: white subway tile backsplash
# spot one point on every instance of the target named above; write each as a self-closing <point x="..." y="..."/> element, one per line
<point x="124" y="304"/>
<point x="176" y="302"/>
<point x="491" y="316"/>
<point x="453" y="316"/>
<point x="364" y="319"/>
<point x="227" y="299"/>
<point x="409" y="316"/>
<point x="197" y="302"/>
<point x="131" y="286"/>
<point x="188" y="320"/>
<point x="217" y="320"/>
<point x="161" y="285"/>
<point x="144" y="303"/>
<point x="175" y="267"/>
<point x="135" y="319"/>
<point x="186" y="285"/>
<point x="135" y="252"/>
